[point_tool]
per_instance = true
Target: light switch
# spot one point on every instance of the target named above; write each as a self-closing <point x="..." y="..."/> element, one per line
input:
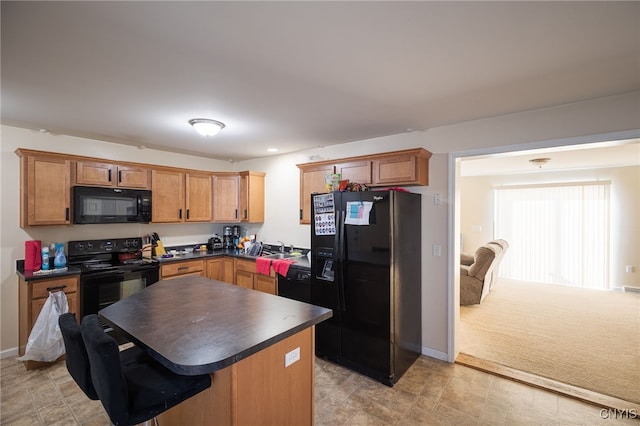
<point x="291" y="357"/>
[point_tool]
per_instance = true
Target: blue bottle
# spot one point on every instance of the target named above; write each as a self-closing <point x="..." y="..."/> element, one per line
<point x="45" y="258"/>
<point x="60" y="261"/>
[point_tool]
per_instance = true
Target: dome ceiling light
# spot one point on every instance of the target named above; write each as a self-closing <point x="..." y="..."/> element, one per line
<point x="206" y="126"/>
<point x="539" y="162"/>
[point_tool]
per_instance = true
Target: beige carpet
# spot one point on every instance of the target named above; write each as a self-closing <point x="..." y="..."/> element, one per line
<point x="586" y="338"/>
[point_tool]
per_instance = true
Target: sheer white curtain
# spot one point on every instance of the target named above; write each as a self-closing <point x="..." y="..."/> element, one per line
<point x="557" y="233"/>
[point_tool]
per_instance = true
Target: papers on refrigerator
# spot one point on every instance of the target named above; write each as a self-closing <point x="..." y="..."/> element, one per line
<point x="357" y="212"/>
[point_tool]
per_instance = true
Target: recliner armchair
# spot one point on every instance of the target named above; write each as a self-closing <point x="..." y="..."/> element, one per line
<point x="479" y="272"/>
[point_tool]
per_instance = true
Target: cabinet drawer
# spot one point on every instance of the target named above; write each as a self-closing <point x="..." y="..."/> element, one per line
<point x="41" y="289"/>
<point x="37" y="304"/>
<point x="246" y="265"/>
<point x="182" y="268"/>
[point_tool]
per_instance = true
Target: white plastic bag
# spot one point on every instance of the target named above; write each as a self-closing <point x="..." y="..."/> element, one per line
<point x="45" y="342"/>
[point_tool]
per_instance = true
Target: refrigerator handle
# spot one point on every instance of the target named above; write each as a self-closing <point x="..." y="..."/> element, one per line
<point x="341" y="262"/>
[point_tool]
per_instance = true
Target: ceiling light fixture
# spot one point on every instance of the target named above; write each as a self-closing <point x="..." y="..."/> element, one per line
<point x="205" y="126"/>
<point x="539" y="161"/>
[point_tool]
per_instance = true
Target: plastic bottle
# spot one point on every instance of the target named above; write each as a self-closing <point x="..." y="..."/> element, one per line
<point x="60" y="261"/>
<point x="45" y="258"/>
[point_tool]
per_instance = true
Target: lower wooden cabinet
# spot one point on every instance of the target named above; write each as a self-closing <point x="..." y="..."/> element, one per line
<point x="246" y="276"/>
<point x="220" y="269"/>
<point x="181" y="269"/>
<point x="32" y="296"/>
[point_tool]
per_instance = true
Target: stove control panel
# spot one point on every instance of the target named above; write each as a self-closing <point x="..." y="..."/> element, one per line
<point x="118" y="245"/>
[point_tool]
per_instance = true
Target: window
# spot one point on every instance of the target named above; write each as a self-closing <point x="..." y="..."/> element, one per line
<point x="557" y="234"/>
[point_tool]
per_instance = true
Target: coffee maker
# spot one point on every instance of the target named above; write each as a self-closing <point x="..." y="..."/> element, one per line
<point x="227" y="238"/>
<point x="236" y="235"/>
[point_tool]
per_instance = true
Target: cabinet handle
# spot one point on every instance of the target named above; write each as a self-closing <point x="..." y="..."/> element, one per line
<point x="245" y="213"/>
<point x="236" y="213"/>
<point x="300" y="214"/>
<point x="187" y="214"/>
<point x="119" y="176"/>
<point x="109" y="175"/>
<point x="66" y="213"/>
<point x="182" y="268"/>
<point x="60" y="287"/>
<point x="180" y="214"/>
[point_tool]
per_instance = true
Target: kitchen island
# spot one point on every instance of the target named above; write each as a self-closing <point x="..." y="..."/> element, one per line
<point x="258" y="347"/>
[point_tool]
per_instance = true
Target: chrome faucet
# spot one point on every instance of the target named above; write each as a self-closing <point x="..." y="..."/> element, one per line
<point x="281" y="246"/>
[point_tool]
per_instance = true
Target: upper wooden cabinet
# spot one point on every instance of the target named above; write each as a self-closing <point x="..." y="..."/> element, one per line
<point x="180" y="197"/>
<point x="199" y="206"/>
<point x="90" y="173"/>
<point x="252" y="197"/>
<point x="399" y="168"/>
<point x="226" y="197"/>
<point x="45" y="194"/>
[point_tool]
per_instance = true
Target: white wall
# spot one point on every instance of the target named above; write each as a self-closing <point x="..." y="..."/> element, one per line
<point x="606" y="115"/>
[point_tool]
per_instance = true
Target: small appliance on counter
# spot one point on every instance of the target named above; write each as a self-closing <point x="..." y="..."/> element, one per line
<point x="215" y="242"/>
<point x="227" y="241"/>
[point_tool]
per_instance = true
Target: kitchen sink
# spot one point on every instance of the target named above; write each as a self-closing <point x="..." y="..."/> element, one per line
<point x="278" y="256"/>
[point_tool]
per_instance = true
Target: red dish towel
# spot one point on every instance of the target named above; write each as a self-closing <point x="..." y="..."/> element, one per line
<point x="263" y="265"/>
<point x="281" y="266"/>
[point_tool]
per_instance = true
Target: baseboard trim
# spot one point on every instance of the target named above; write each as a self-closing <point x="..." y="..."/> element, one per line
<point x="9" y="353"/>
<point x="585" y="395"/>
<point x="432" y="353"/>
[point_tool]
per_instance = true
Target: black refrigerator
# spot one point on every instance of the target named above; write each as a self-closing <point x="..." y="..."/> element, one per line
<point x="366" y="267"/>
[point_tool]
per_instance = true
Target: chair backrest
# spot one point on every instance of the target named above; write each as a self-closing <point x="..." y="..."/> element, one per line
<point x="106" y="370"/>
<point x="76" y="357"/>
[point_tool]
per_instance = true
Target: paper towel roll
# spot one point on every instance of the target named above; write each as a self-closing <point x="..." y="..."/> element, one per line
<point x="32" y="259"/>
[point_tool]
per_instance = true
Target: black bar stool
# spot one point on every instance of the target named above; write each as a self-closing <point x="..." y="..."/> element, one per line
<point x="77" y="359"/>
<point x="138" y="392"/>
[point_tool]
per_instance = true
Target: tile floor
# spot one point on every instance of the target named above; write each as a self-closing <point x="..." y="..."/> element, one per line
<point x="432" y="392"/>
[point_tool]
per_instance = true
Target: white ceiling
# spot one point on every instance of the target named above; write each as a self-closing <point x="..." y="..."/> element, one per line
<point x="295" y="75"/>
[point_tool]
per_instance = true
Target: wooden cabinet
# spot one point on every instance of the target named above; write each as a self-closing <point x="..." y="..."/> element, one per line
<point x="226" y="197"/>
<point x="311" y="181"/>
<point x="181" y="269"/>
<point x="180" y="197"/>
<point x="252" y="197"/>
<point x="220" y="269"/>
<point x="399" y="168"/>
<point x="31" y="298"/>
<point x="91" y="173"/>
<point x="199" y="204"/>
<point x="45" y="189"/>
<point x="246" y="276"/>
<point x="167" y="189"/>
<point x="410" y="168"/>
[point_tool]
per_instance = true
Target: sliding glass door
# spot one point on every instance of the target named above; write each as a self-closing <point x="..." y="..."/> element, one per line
<point x="557" y="233"/>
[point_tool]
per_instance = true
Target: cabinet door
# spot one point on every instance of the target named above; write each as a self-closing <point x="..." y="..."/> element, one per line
<point x="244" y="279"/>
<point x="396" y="170"/>
<point x="355" y="171"/>
<point x="311" y="181"/>
<point x="133" y="177"/>
<point x="215" y="269"/>
<point x="37" y="304"/>
<point x="176" y="269"/>
<point x="167" y="196"/>
<point x="252" y="197"/>
<point x="228" y="273"/>
<point x="264" y="283"/>
<point x="199" y="205"/>
<point x="46" y="191"/>
<point x="92" y="173"/>
<point x="226" y="198"/>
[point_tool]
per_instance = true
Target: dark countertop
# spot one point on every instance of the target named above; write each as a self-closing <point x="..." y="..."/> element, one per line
<point x="299" y="262"/>
<point x="52" y="273"/>
<point x="194" y="325"/>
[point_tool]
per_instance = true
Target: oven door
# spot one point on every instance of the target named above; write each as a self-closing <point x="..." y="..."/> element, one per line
<point x="101" y="289"/>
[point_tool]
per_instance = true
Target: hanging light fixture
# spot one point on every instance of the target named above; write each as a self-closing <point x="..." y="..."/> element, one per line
<point x="539" y="161"/>
<point x="206" y="126"/>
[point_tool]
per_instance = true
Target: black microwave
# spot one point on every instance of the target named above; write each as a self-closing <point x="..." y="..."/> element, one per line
<point x="110" y="205"/>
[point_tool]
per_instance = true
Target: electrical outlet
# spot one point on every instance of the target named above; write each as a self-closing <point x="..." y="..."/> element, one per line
<point x="437" y="200"/>
<point x="291" y="357"/>
<point x="437" y="250"/>
<point x="628" y="268"/>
